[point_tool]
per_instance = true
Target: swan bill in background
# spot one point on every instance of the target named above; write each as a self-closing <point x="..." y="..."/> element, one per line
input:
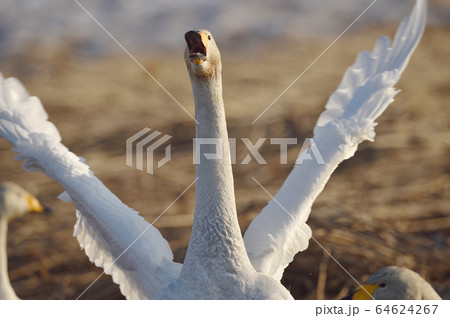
<point x="15" y="202"/>
<point x="394" y="283"/>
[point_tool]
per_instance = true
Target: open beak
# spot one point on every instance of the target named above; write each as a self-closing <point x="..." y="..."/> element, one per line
<point x="365" y="293"/>
<point x="197" y="44"/>
<point x="34" y="206"/>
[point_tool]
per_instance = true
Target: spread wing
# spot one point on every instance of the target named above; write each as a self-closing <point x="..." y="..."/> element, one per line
<point x="280" y="230"/>
<point x="113" y="235"/>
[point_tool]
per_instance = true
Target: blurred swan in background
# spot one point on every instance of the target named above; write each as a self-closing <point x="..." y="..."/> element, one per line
<point x="15" y="202"/>
<point x="395" y="283"/>
<point x="219" y="263"/>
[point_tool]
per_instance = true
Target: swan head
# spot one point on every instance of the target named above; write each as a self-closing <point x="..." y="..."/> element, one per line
<point x="15" y="202"/>
<point x="395" y="283"/>
<point x="202" y="56"/>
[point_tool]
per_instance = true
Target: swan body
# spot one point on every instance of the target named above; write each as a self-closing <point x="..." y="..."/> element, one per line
<point x="15" y="202"/>
<point x="216" y="251"/>
<point x="219" y="263"/>
<point x="395" y="283"/>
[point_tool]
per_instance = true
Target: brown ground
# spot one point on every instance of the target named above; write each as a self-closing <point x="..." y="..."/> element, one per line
<point x="389" y="205"/>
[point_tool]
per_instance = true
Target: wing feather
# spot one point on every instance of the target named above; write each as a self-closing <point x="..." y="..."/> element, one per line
<point x="113" y="235"/>
<point x="366" y="90"/>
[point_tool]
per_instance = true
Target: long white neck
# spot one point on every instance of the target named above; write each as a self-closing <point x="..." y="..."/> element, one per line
<point x="216" y="243"/>
<point x="6" y="290"/>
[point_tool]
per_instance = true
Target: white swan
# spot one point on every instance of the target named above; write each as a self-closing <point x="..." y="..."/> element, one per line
<point x="217" y="264"/>
<point x="15" y="202"/>
<point x="395" y="283"/>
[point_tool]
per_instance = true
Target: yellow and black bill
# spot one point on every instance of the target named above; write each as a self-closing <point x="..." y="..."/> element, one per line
<point x="35" y="206"/>
<point x="365" y="292"/>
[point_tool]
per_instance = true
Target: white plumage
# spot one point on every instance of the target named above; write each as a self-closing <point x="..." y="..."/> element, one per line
<point x="106" y="227"/>
<point x="274" y="236"/>
<point x="217" y="264"/>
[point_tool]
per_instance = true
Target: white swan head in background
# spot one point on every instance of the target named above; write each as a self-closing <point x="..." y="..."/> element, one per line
<point x="15" y="202"/>
<point x="395" y="283"/>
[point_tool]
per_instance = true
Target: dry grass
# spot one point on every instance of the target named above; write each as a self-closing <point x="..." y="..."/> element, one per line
<point x="386" y="206"/>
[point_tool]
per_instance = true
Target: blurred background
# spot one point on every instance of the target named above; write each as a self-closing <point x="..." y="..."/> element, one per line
<point x="388" y="205"/>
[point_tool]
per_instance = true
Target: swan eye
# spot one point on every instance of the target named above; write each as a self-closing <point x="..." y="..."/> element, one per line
<point x="382" y="285"/>
<point x="209" y="37"/>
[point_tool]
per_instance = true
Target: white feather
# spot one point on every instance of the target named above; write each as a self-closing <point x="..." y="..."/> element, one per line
<point x="105" y="227"/>
<point x="280" y="230"/>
